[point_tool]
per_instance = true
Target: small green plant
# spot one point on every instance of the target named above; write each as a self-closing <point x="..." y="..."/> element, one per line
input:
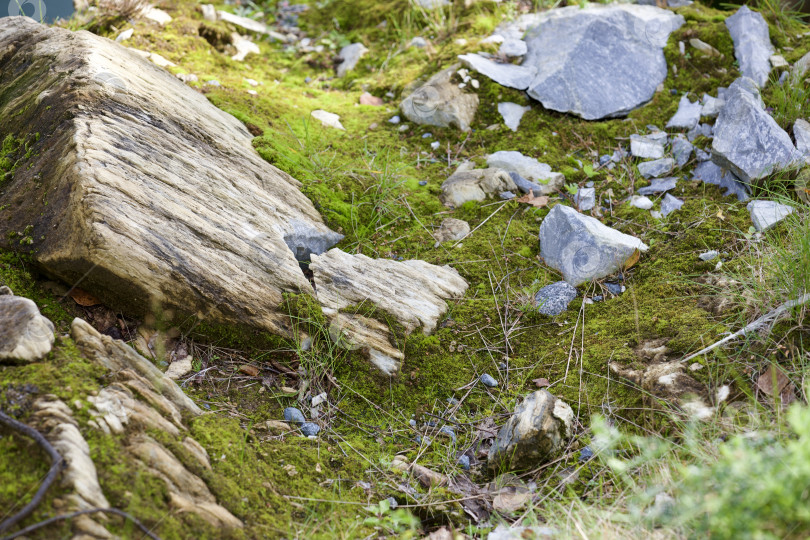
<point x="400" y="522"/>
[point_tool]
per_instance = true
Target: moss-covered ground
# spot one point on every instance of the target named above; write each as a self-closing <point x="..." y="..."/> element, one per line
<point x="378" y="184"/>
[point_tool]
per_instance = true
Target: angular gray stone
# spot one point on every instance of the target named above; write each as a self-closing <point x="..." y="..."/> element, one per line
<point x="752" y="44"/>
<point x="659" y="185"/>
<point x="512" y="113"/>
<point x="711" y="106"/>
<point x="488" y="380"/>
<point x="645" y="147"/>
<point x="25" y="335"/>
<point x="669" y="204"/>
<point x="648" y="169"/>
<point x="526" y="186"/>
<point x="149" y="195"/>
<point x="508" y="75"/>
<point x="711" y="173"/>
<point x="766" y="214"/>
<point x="599" y="61"/>
<point x="641" y="202"/>
<point x="709" y="255"/>
<point x="535" y="434"/>
<point x="440" y="102"/>
<point x="585" y="199"/>
<point x="582" y="248"/>
<point x="687" y="116"/>
<point x="747" y="140"/>
<point x="553" y="299"/>
<point x="700" y="130"/>
<point x="474" y="185"/>
<point x="681" y="150"/>
<point x="349" y="56"/>
<point x="294" y="416"/>
<point x="801" y="132"/>
<point x="310" y="429"/>
<point x="513" y="47"/>
<point x="529" y="168"/>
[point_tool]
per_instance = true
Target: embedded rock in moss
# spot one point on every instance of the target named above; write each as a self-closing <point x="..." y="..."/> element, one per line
<point x="801" y="132"/>
<point x="598" y="61"/>
<point x="25" y="335"/>
<point x="766" y="214"/>
<point x="413" y="293"/>
<point x="583" y="248"/>
<point x="440" y="102"/>
<point x="474" y="185"/>
<point x="747" y="140"/>
<point x="451" y="229"/>
<point x="528" y="168"/>
<point x="752" y="44"/>
<point x="535" y="434"/>
<point x="710" y="173"/>
<point x="139" y="187"/>
<point x="348" y="58"/>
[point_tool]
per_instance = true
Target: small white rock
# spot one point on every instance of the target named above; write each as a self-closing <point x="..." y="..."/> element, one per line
<point x="328" y="119"/>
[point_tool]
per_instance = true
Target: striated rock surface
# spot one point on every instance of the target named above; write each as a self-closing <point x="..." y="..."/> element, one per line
<point x="535" y="434"/>
<point x="440" y="102"/>
<point x="582" y="248"/>
<point x="144" y="191"/>
<point x="25" y="335"/>
<point x="413" y="293"/>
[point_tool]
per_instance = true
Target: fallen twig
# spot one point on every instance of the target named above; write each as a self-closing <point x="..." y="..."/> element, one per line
<point x="758" y="323"/>
<point x="117" y="512"/>
<point x="56" y="467"/>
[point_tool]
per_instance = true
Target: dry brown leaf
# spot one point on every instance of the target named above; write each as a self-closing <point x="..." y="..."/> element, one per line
<point x="773" y="382"/>
<point x="83" y="298"/>
<point x="542" y="382"/>
<point x="632" y="260"/>
<point x="247" y="369"/>
<point x="537" y="202"/>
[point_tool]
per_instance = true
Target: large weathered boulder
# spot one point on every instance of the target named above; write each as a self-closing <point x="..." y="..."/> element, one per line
<point x="25" y="335"/>
<point x="752" y="44"/>
<point x="747" y="140"/>
<point x="412" y="293"/>
<point x="140" y="189"/>
<point x="600" y="61"/>
<point x="440" y="102"/>
<point x="583" y="248"/>
<point x="536" y="432"/>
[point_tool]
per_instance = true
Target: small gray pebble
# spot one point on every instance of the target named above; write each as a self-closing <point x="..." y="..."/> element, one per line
<point x="487" y="380"/>
<point x="449" y="432"/>
<point x="394" y="120"/>
<point x="427" y="135"/>
<point x="709" y="255"/>
<point x="213" y="82"/>
<point x="412" y="422"/>
<point x="310" y="429"/>
<point x="506" y="195"/>
<point x="392" y="503"/>
<point x="291" y="414"/>
<point x="604" y="160"/>
<point x="464" y="461"/>
<point x="422" y="182"/>
<point x="452" y="401"/>
<point x="614" y="288"/>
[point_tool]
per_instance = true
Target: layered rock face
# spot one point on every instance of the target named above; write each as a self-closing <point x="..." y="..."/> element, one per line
<point x="134" y="186"/>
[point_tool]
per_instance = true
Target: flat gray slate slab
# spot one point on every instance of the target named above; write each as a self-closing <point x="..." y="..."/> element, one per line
<point x="583" y="248"/>
<point x="553" y="299"/>
<point x="687" y="116"/>
<point x="527" y="167"/>
<point x="646" y="147"/>
<point x="143" y="190"/>
<point x="710" y="173"/>
<point x="508" y="75"/>
<point x="747" y="140"/>
<point x="752" y="44"/>
<point x="649" y="169"/>
<point x="600" y="61"/>
<point x="766" y="214"/>
<point x="659" y="185"/>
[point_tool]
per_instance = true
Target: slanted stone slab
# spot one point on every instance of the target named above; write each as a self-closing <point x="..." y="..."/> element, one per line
<point x="687" y="116"/>
<point x="766" y="214"/>
<point x="508" y="75"/>
<point x="801" y="132"/>
<point x="747" y="140"/>
<point x="752" y="44"/>
<point x="599" y="61"/>
<point x="711" y="173"/>
<point x="142" y="190"/>
<point x="583" y="248"/>
<point x="413" y="293"/>
<point x="646" y="147"/>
